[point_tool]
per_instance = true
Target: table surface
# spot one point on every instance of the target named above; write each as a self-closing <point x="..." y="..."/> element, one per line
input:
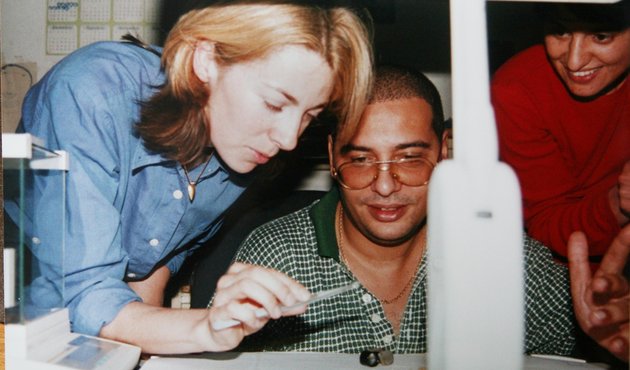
<point x="319" y="361"/>
<point x="310" y="361"/>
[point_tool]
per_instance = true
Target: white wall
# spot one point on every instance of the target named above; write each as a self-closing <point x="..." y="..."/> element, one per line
<point x="443" y="83"/>
<point x="24" y="25"/>
<point x="24" y="34"/>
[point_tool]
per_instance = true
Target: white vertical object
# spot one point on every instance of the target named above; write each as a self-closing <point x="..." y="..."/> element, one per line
<point x="475" y="293"/>
<point x="9" y="276"/>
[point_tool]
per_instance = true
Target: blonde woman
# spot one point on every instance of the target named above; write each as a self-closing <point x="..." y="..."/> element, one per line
<point x="161" y="143"/>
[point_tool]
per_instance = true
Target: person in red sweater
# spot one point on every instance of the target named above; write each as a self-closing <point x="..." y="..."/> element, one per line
<point x="563" y="120"/>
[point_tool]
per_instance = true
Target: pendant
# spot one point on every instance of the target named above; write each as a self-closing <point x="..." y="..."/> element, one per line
<point x="191" y="191"/>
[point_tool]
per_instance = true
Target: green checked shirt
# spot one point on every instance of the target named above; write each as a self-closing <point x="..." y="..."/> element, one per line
<point x="304" y="246"/>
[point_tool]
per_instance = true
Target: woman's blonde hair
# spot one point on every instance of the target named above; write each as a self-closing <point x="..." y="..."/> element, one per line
<point x="173" y="121"/>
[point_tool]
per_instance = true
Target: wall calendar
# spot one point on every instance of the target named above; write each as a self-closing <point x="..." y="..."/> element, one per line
<point x="71" y="24"/>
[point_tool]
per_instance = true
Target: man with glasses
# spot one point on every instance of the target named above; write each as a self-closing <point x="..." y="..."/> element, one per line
<point x="371" y="228"/>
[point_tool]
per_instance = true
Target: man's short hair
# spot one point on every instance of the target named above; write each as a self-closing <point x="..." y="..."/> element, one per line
<point x="400" y="82"/>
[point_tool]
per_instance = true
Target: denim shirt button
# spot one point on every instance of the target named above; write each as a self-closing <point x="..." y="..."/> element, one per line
<point x="154" y="242"/>
<point x="177" y="194"/>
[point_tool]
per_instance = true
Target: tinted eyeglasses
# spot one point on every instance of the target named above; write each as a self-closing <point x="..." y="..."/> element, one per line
<point x="356" y="175"/>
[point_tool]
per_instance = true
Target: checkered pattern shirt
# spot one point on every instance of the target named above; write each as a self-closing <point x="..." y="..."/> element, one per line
<point x="303" y="245"/>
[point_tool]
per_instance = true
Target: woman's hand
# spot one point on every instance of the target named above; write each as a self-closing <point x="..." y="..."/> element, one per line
<point x="601" y="301"/>
<point x="243" y="290"/>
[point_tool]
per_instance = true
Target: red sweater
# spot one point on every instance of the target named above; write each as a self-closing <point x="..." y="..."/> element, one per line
<point x="567" y="154"/>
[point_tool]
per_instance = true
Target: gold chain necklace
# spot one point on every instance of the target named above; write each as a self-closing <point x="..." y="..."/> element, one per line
<point x="340" y="231"/>
<point x="192" y="185"/>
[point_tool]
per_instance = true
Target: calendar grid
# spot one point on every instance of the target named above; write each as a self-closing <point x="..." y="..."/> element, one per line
<point x="71" y="24"/>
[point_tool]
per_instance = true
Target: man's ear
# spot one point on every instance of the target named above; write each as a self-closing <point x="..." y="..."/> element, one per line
<point x="447" y="135"/>
<point x="330" y="155"/>
<point x="205" y="61"/>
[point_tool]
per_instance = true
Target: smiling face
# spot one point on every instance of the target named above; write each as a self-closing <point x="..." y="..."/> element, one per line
<point x="590" y="63"/>
<point x="387" y="212"/>
<point x="260" y="107"/>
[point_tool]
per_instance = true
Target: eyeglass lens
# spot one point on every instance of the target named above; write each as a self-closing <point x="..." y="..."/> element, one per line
<point x="410" y="172"/>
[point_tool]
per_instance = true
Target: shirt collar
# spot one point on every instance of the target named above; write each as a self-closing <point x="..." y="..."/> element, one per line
<point x="323" y="216"/>
<point x="143" y="158"/>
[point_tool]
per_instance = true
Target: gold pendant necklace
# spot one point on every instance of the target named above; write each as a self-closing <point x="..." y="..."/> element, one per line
<point x="192" y="185"/>
<point x="342" y="256"/>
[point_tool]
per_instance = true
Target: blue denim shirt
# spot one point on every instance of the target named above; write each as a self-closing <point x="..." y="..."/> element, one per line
<point x="127" y="209"/>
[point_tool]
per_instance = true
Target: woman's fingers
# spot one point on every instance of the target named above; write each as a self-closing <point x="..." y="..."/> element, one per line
<point x="248" y="296"/>
<point x="607" y="287"/>
<point x="269" y="288"/>
<point x="615" y="312"/>
<point x="616" y="256"/>
<point x="601" y="301"/>
<point x="580" y="274"/>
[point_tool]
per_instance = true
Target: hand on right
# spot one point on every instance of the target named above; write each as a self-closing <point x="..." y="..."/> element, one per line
<point x="601" y="301"/>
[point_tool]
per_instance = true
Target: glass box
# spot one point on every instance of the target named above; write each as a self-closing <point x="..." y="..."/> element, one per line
<point x="34" y="180"/>
<point x="37" y="331"/>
